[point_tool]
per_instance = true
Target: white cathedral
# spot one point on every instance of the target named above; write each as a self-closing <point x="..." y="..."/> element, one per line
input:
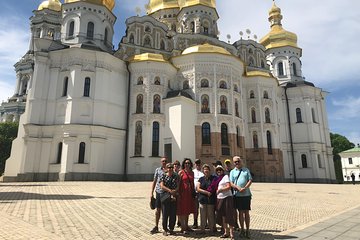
<point x="172" y="88"/>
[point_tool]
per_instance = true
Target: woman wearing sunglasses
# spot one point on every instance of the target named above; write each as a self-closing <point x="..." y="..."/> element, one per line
<point x="169" y="185"/>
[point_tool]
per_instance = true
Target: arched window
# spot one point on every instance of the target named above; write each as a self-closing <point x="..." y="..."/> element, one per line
<point x="157" y="81"/>
<point x="155" y="139"/>
<point x="81" y="153"/>
<point x="223" y="105"/>
<point x="267" y="115"/>
<point x="206" y="27"/>
<point x="147" y="29"/>
<point x="90" y="30"/>
<point x="139" y="104"/>
<point x="236" y="89"/>
<point x="204" y="83"/>
<point x="173" y="27"/>
<point x="205" y="104"/>
<point x="298" y="116"/>
<point x="59" y="153"/>
<point x="65" y="87"/>
<point x="224" y="134"/>
<point x="294" y="69"/>
<point x="262" y="64"/>
<point x="162" y="45"/>
<point x="87" y="87"/>
<point x="131" y="38"/>
<point x="313" y="115"/>
<point x="280" y="69"/>
<point x="140" y="81"/>
<point x="236" y="108"/>
<point x="251" y="61"/>
<point x="252" y="94"/>
<point x="156" y="104"/>
<point x="71" y="29"/>
<point x="253" y="115"/>
<point x="192" y="27"/>
<point x="250" y="51"/>
<point x="223" y="85"/>
<point x="186" y="84"/>
<point x="238" y="143"/>
<point x="266" y="95"/>
<point x="106" y="33"/>
<point x="138" y="139"/>
<point x="255" y="141"/>
<point x="304" y="161"/>
<point x="269" y="143"/>
<point x="147" y="41"/>
<point x="206" y="133"/>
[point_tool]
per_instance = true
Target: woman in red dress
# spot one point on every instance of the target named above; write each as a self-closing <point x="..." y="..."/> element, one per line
<point x="186" y="200"/>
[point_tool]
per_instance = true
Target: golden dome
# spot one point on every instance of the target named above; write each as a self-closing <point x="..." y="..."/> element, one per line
<point x="188" y="3"/>
<point x="147" y="57"/>
<point x="110" y="4"/>
<point x="278" y="36"/>
<point x="206" y="48"/>
<point x="156" y="5"/>
<point x="54" y="5"/>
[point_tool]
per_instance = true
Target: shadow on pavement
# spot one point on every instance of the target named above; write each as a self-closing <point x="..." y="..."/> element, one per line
<point x="9" y="196"/>
<point x="269" y="235"/>
<point x="256" y="234"/>
<point x="30" y="185"/>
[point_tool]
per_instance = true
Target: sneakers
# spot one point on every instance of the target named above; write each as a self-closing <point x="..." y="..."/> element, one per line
<point x="154" y="230"/>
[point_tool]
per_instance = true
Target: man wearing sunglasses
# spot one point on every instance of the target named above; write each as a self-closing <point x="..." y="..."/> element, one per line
<point x="240" y="178"/>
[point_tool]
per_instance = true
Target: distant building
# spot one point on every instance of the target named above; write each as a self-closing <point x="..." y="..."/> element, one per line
<point x="350" y="162"/>
<point x="171" y="88"/>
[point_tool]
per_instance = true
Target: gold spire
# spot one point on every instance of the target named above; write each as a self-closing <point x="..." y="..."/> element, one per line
<point x="156" y="5"/>
<point x="188" y="3"/>
<point x="54" y="5"/>
<point x="278" y="36"/>
<point x="110" y="4"/>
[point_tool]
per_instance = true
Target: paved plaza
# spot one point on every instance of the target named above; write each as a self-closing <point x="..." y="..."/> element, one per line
<point x="119" y="210"/>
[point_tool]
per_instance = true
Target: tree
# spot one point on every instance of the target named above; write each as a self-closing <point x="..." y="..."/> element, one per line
<point x="339" y="144"/>
<point x="8" y="132"/>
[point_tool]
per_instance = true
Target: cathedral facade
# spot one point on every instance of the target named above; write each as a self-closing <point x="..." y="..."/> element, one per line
<point x="171" y="88"/>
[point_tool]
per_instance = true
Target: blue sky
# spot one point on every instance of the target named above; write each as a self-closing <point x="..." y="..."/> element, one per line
<point x="328" y="32"/>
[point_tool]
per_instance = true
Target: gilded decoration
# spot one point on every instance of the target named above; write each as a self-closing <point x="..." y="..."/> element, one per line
<point x="54" y="5"/>
<point x="109" y="4"/>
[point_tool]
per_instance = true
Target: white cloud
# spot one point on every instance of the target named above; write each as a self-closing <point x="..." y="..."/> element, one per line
<point x="7" y="90"/>
<point x="327" y="32"/>
<point x="14" y="42"/>
<point x="347" y="108"/>
<point x="354" y="137"/>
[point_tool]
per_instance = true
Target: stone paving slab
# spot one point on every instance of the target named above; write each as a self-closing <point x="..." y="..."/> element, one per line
<point x="118" y="210"/>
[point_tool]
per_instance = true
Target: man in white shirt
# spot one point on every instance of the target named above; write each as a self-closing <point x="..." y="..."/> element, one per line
<point x="197" y="175"/>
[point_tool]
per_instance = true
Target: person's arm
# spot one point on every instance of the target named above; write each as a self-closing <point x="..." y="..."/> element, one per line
<point x="153" y="185"/>
<point x="224" y="189"/>
<point x="202" y="191"/>
<point x="248" y="184"/>
<point x="153" y="188"/>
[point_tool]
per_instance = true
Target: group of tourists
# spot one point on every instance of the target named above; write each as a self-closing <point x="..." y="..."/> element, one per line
<point x="220" y="193"/>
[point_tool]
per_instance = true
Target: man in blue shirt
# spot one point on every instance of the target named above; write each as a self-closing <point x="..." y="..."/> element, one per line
<point x="240" y="178"/>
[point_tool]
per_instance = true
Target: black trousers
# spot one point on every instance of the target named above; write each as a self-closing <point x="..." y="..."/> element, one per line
<point x="168" y="215"/>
